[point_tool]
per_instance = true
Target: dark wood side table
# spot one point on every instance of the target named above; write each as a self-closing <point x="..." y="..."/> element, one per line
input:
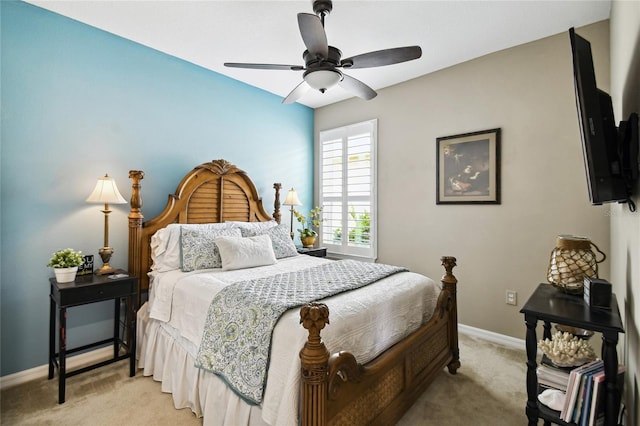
<point x="90" y="289"/>
<point x="549" y="304"/>
<point x="313" y="251"/>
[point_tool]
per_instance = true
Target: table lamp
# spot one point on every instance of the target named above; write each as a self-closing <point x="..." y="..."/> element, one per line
<point x="106" y="192"/>
<point x="292" y="200"/>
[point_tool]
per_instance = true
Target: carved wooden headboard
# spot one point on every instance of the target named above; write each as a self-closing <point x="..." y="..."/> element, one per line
<point x="212" y="192"/>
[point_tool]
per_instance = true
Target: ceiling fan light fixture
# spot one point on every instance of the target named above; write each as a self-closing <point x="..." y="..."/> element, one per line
<point x="322" y="80"/>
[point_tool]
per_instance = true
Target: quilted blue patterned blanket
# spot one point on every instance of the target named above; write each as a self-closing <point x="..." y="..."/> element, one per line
<point x="237" y="335"/>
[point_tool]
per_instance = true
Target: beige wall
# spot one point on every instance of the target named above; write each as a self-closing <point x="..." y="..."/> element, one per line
<point x="625" y="226"/>
<point x="527" y="91"/>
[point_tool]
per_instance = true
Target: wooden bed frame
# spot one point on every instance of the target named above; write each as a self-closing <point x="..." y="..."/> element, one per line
<point x="335" y="388"/>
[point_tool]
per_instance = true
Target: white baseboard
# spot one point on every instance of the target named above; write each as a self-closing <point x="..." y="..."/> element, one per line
<point x="107" y="352"/>
<point x="42" y="371"/>
<point x="501" y="339"/>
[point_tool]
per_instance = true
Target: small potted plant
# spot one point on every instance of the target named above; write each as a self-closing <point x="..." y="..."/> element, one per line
<point x="65" y="264"/>
<point x="309" y="224"/>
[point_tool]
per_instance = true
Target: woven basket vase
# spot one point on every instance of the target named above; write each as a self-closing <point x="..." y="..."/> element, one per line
<point x="571" y="261"/>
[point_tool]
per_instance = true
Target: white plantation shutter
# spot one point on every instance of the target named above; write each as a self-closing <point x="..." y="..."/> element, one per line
<point x="347" y="173"/>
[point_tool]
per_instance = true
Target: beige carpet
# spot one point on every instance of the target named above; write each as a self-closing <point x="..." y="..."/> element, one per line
<point x="489" y="389"/>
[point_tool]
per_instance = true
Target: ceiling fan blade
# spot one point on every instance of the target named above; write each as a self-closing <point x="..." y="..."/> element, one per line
<point x="296" y="93"/>
<point x="383" y="57"/>
<point x="313" y="34"/>
<point x="357" y="87"/>
<point x="264" y="66"/>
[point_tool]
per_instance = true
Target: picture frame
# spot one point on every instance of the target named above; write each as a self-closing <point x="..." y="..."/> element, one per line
<point x="468" y="168"/>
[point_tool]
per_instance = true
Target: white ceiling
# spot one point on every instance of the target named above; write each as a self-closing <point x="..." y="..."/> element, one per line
<point x="209" y="33"/>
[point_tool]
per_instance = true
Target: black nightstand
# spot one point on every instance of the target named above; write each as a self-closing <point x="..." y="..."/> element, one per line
<point x="549" y="304"/>
<point x="90" y="289"/>
<point x="313" y="251"/>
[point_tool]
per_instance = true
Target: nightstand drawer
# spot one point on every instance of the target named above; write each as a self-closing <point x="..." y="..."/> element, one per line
<point x="81" y="292"/>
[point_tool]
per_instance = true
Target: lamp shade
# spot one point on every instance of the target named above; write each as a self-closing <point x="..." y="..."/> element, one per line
<point x="292" y="199"/>
<point x="106" y="192"/>
<point x="322" y="79"/>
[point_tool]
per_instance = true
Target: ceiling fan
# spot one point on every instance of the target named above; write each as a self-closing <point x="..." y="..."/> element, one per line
<point x="322" y="62"/>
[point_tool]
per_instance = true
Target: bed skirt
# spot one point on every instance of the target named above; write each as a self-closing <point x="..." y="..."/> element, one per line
<point x="171" y="361"/>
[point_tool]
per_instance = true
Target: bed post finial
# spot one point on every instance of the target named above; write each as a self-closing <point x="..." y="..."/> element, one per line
<point x="136" y="199"/>
<point x="135" y="227"/>
<point x="314" y="358"/>
<point x="449" y="281"/>
<point x="276" y="204"/>
<point x="449" y="262"/>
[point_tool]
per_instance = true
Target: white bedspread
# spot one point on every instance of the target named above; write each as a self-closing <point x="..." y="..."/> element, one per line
<point x="365" y="321"/>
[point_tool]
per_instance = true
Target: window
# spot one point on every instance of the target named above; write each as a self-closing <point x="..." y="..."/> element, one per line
<point x="347" y="189"/>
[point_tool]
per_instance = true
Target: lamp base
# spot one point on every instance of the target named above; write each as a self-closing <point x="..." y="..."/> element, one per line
<point x="106" y="269"/>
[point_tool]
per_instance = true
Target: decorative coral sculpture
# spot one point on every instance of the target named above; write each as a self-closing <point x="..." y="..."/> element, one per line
<point x="567" y="350"/>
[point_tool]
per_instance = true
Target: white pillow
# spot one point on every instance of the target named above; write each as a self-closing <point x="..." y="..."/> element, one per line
<point x="240" y="252"/>
<point x="165" y="244"/>
<point x="252" y="227"/>
<point x="283" y="245"/>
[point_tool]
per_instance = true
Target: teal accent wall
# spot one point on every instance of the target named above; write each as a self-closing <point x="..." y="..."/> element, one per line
<point x="78" y="102"/>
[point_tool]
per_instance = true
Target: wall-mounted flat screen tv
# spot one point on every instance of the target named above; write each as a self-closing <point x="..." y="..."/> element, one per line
<point x="610" y="153"/>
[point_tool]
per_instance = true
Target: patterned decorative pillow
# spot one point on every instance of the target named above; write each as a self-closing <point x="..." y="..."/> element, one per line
<point x="249" y="229"/>
<point x="280" y="238"/>
<point x="165" y="244"/>
<point x="198" y="249"/>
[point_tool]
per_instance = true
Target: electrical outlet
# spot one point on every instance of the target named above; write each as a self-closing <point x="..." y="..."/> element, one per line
<point x="512" y="297"/>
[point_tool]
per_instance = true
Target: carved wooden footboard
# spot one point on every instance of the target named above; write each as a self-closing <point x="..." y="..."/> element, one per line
<point x="337" y="390"/>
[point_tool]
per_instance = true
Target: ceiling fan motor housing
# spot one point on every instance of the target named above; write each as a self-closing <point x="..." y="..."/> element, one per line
<point x="332" y="60"/>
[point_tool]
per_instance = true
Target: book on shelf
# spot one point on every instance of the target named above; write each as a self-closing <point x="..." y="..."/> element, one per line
<point x="596" y="403"/>
<point x="550" y="376"/>
<point x="597" y="381"/>
<point x="584" y="396"/>
<point x="579" y="397"/>
<point x="574" y="388"/>
<point x="584" y="400"/>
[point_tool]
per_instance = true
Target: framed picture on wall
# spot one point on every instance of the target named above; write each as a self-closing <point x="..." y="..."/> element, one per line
<point x="468" y="168"/>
